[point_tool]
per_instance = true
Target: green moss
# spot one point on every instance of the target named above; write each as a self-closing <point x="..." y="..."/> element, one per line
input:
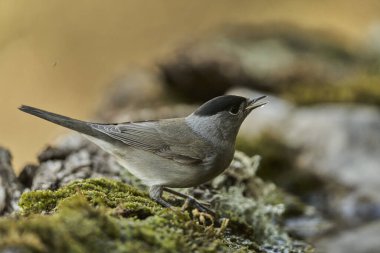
<point x="170" y="232"/>
<point x="103" y="192"/>
<point x="365" y="90"/>
<point x="77" y="227"/>
<point x="101" y="215"/>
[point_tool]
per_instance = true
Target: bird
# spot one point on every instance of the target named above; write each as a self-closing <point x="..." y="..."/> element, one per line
<point x="170" y="153"/>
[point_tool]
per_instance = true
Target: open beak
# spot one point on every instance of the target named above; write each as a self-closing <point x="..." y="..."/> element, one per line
<point x="252" y="104"/>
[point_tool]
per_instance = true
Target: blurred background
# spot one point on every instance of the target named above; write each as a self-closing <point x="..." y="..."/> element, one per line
<point x="63" y="55"/>
<point x="319" y="62"/>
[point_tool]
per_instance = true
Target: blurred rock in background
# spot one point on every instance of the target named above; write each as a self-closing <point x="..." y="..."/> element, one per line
<point x="271" y="58"/>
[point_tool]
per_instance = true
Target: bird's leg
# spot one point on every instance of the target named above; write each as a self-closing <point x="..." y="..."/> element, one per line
<point x="191" y="201"/>
<point x="155" y="193"/>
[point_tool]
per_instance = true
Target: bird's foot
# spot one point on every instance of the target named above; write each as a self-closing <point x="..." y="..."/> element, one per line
<point x="203" y="218"/>
<point x="191" y="202"/>
<point x="201" y="207"/>
<point x="155" y="193"/>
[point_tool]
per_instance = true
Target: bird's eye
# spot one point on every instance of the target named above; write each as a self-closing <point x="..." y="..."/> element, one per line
<point x="234" y="110"/>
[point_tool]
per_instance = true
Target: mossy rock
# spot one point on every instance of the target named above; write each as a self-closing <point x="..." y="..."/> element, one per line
<point x="77" y="227"/>
<point x="99" y="192"/>
<point x="363" y="90"/>
<point x="102" y="215"/>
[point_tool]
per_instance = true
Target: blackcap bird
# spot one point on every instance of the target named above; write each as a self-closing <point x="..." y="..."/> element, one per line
<point x="175" y="153"/>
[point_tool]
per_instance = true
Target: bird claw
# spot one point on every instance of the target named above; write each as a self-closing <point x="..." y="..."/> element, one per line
<point x="190" y="202"/>
<point x="203" y="217"/>
<point x="202" y="208"/>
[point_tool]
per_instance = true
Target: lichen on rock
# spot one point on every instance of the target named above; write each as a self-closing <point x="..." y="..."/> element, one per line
<point x="257" y="207"/>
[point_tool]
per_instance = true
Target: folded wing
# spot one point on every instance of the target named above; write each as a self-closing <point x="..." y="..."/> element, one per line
<point x="167" y="139"/>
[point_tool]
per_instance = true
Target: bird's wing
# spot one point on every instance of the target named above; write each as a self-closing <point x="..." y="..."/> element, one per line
<point x="163" y="138"/>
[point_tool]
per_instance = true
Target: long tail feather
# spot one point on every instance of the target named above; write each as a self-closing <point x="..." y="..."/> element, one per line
<point x="74" y="124"/>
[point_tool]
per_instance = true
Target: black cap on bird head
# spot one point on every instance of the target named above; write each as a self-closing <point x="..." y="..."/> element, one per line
<point x="234" y="105"/>
<point x="220" y="104"/>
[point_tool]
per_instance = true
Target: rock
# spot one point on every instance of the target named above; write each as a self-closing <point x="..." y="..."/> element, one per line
<point x="361" y="240"/>
<point x="72" y="158"/>
<point x="263" y="57"/>
<point x="341" y="142"/>
<point x="200" y="72"/>
<point x="122" y="218"/>
<point x="27" y="174"/>
<point x="10" y="188"/>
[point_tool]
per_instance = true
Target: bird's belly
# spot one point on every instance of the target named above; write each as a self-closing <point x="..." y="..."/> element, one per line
<point x="156" y="170"/>
<point x="152" y="169"/>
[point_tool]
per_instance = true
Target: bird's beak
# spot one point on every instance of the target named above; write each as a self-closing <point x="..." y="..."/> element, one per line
<point x="252" y="104"/>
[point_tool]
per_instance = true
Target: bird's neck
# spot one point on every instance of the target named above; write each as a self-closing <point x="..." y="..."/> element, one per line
<point x="213" y="129"/>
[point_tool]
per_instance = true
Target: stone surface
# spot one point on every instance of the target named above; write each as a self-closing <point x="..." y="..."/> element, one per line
<point x="268" y="57"/>
<point x="74" y="157"/>
<point x="361" y="240"/>
<point x="340" y="141"/>
<point x="10" y="188"/>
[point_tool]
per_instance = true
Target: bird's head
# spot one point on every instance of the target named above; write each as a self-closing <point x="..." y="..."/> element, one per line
<point x="222" y="116"/>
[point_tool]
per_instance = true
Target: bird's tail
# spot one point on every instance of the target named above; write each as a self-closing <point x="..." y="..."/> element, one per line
<point x="74" y="124"/>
